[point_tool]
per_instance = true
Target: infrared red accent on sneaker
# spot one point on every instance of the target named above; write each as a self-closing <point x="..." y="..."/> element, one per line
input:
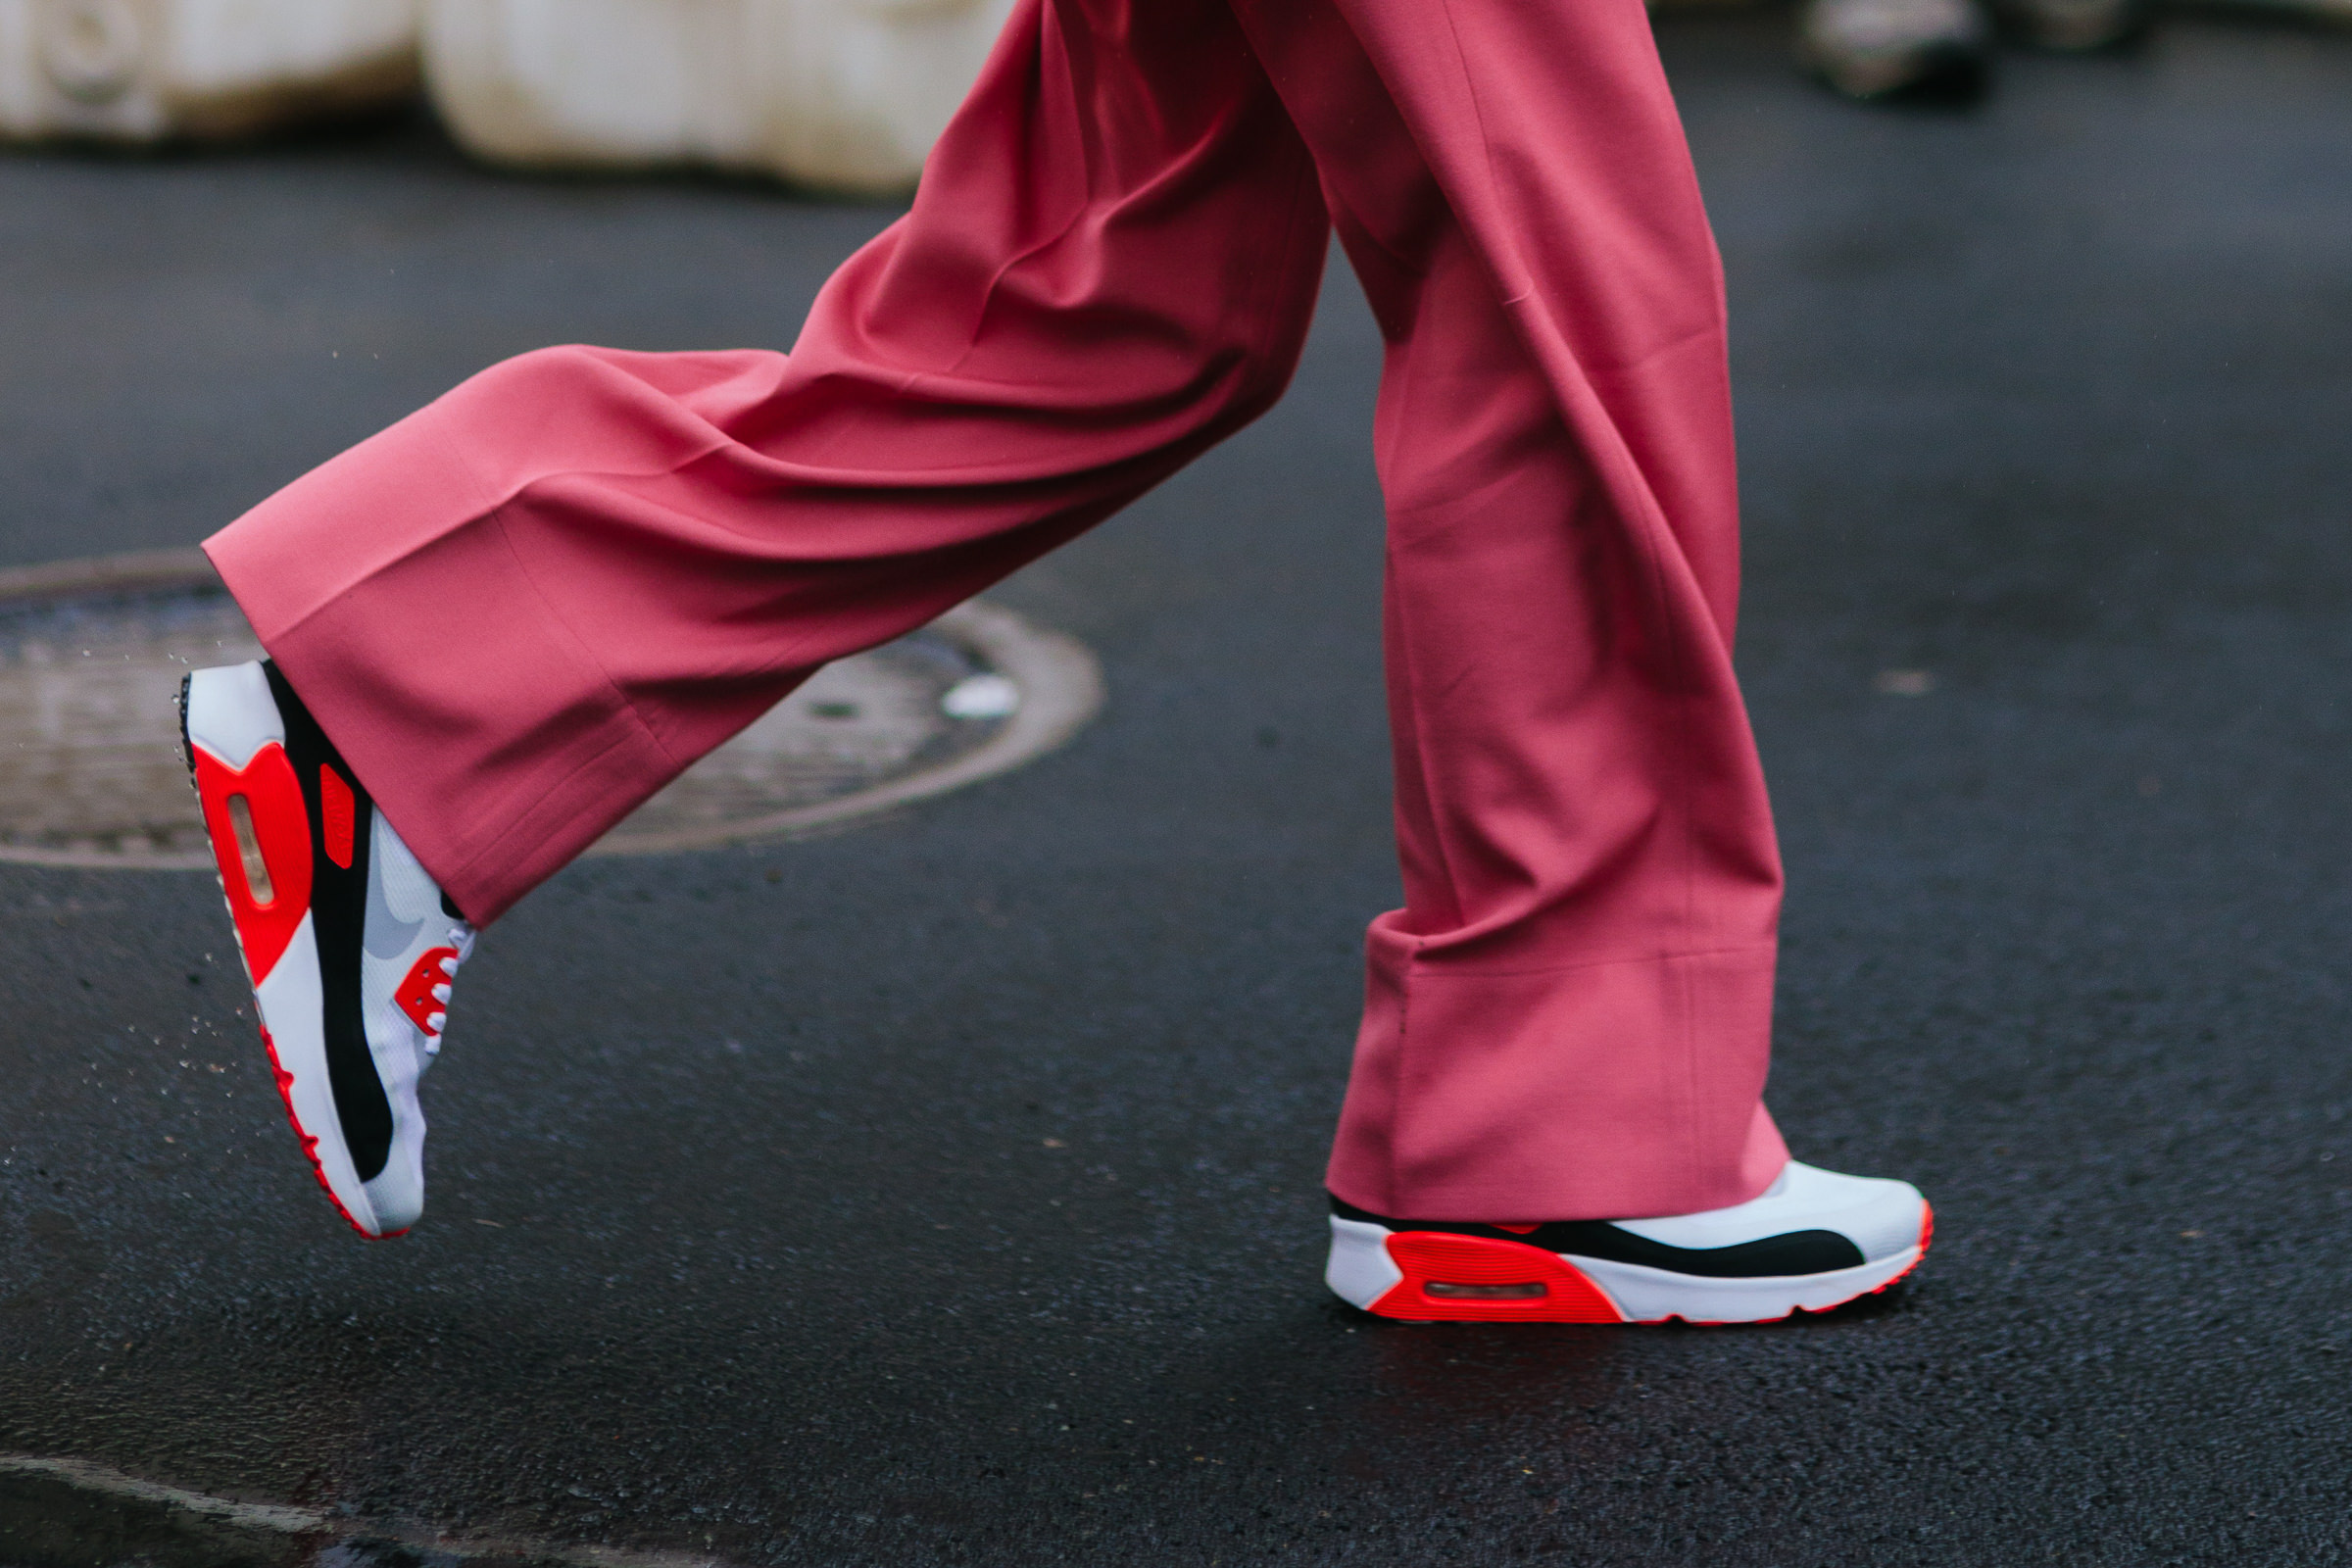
<point x="416" y="996"/>
<point x="310" y="1145"/>
<point x="257" y="813"/>
<point x="1478" y="1279"/>
<point x="337" y="816"/>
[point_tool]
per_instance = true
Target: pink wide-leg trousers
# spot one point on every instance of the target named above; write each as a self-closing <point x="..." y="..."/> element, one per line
<point x="524" y="610"/>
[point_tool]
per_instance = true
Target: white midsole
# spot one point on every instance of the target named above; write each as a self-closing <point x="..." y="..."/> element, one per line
<point x="1653" y="1295"/>
<point x="1361" y="1272"/>
<point x="293" y="1010"/>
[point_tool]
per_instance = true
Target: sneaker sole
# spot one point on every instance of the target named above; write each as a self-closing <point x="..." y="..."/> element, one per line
<point x="1437" y="1277"/>
<point x="297" y="1047"/>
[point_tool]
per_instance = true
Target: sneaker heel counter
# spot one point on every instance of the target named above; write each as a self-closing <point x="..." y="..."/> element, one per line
<point x="1360" y="1270"/>
<point x="229" y="711"/>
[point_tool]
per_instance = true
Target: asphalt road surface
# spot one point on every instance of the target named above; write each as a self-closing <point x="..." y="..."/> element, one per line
<point x="947" y="1191"/>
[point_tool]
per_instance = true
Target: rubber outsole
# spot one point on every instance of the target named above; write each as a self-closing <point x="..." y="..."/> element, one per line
<point x="310" y="1141"/>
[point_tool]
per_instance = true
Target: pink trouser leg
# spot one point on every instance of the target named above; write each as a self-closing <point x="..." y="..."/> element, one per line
<point x="525" y="609"/>
<point x="1571" y="1017"/>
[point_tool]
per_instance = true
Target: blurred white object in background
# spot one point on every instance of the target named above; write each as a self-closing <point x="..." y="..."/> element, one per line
<point x="1879" y="48"/>
<point x="152" y="69"/>
<point x="844" y="95"/>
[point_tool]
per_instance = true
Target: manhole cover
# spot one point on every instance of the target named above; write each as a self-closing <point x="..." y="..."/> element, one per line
<point x="91" y="653"/>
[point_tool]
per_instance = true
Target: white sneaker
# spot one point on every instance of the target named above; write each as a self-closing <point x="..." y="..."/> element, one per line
<point x="1812" y="1240"/>
<point x="350" y="945"/>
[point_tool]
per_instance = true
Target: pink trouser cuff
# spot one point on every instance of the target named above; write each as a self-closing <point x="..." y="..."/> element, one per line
<point x="1612" y="1089"/>
<point x="432" y="712"/>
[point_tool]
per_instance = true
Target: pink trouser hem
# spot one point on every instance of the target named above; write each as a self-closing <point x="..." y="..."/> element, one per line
<point x="1613" y="1090"/>
<point x="301" y="568"/>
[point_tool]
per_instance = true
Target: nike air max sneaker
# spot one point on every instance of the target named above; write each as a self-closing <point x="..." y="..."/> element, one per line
<point x="350" y="945"/>
<point x="1812" y="1240"/>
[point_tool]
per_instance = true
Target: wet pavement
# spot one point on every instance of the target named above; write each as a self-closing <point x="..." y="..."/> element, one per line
<point x="946" y="1190"/>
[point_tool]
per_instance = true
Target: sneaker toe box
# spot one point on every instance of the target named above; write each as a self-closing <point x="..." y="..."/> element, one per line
<point x="1881" y="1216"/>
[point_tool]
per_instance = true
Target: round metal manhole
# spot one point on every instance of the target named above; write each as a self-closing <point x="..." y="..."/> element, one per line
<point x="90" y="774"/>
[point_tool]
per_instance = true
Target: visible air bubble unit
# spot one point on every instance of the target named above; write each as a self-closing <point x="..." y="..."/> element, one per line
<point x="248" y="852"/>
<point x="1479" y="1277"/>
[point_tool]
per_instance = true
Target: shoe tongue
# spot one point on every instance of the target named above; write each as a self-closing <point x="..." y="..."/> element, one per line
<point x="407" y="889"/>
